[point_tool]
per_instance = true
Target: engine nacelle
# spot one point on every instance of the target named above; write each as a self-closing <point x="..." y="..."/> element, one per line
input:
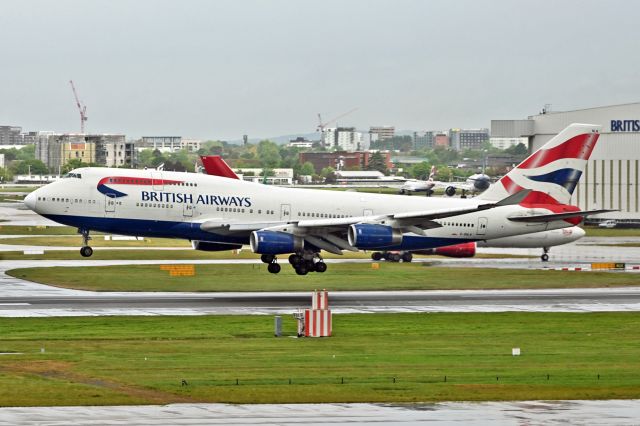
<point x="371" y="236"/>
<point x="209" y="246"/>
<point x="271" y="242"/>
<point x="482" y="184"/>
<point x="458" y="250"/>
<point x="450" y="191"/>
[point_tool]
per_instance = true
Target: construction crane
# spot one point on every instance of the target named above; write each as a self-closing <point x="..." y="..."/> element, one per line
<point x="322" y="125"/>
<point x="81" y="108"/>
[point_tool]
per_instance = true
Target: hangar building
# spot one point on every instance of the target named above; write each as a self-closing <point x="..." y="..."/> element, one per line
<point x="611" y="178"/>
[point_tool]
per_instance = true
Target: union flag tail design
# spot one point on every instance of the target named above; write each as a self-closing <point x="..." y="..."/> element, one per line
<point x="553" y="171"/>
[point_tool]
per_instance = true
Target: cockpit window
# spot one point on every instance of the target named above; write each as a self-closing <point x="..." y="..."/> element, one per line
<point x="73" y="175"/>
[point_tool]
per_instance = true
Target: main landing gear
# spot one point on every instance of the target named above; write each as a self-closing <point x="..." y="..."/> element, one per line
<point x="392" y="256"/>
<point x="85" y="250"/>
<point x="302" y="263"/>
<point x="545" y="256"/>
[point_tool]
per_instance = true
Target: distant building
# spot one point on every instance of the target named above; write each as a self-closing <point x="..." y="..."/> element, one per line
<point x="504" y="143"/>
<point x="342" y="160"/>
<point x="441" y="140"/>
<point x="169" y="143"/>
<point x="35" y="179"/>
<point x="366" y="177"/>
<point x="31" y="138"/>
<point x="343" y="138"/>
<point x="380" y="133"/>
<point x="300" y="142"/>
<point x="422" y="140"/>
<point x="280" y="176"/>
<point x="11" y="135"/>
<point x="462" y="139"/>
<point x="103" y="149"/>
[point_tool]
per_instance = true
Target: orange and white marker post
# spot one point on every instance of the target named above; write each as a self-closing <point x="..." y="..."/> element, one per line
<point x="317" y="321"/>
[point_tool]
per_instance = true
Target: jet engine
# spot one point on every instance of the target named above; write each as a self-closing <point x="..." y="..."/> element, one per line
<point x="371" y="236"/>
<point x="458" y="250"/>
<point x="271" y="242"/>
<point x="482" y="183"/>
<point x="209" y="246"/>
<point x="450" y="191"/>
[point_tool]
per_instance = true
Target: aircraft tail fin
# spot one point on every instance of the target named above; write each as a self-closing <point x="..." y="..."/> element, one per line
<point x="553" y="171"/>
<point x="214" y="165"/>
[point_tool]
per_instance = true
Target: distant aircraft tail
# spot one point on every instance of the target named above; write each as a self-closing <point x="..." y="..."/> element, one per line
<point x="553" y="171"/>
<point x="432" y="174"/>
<point x="214" y="165"/>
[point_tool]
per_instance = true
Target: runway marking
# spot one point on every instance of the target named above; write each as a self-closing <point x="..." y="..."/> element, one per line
<point x="15" y="304"/>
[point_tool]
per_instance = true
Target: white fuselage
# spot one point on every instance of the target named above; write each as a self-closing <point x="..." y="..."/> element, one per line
<point x="175" y="204"/>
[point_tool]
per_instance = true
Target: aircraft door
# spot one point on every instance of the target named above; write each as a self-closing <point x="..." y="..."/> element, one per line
<point x="187" y="209"/>
<point x="110" y="203"/>
<point x="156" y="181"/>
<point x="482" y="226"/>
<point x="285" y="212"/>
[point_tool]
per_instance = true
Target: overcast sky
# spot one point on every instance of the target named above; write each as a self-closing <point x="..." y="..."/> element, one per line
<point x="220" y="69"/>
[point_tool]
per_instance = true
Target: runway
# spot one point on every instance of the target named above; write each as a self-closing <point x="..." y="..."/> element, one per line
<point x="20" y="298"/>
<point x="611" y="412"/>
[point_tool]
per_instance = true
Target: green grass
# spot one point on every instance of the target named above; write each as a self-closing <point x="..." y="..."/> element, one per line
<point x="11" y="198"/>
<point x="353" y="276"/>
<point x="594" y="231"/>
<point x="17" y="188"/>
<point x="183" y="254"/>
<point x="143" y="360"/>
<point x="66" y="241"/>
<point x="37" y="230"/>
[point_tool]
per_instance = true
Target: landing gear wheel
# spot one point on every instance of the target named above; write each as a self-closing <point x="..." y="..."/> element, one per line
<point x="407" y="257"/>
<point x="86" y="251"/>
<point x="544" y="257"/>
<point x="295" y="259"/>
<point x="320" y="267"/>
<point x="267" y="258"/>
<point x="394" y="257"/>
<point x="376" y="255"/>
<point x="274" y="268"/>
<point x="301" y="269"/>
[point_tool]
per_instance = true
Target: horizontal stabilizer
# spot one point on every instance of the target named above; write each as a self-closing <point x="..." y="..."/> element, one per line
<point x="513" y="199"/>
<point x="557" y="216"/>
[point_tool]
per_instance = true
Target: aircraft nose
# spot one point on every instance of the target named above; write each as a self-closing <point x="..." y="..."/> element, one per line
<point x="30" y="201"/>
<point x="579" y="232"/>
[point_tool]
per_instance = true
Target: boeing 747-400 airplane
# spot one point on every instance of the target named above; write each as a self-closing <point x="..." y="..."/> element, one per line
<point x="218" y="213"/>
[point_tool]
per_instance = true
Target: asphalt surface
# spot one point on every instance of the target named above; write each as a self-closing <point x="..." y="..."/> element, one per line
<point x="612" y="412"/>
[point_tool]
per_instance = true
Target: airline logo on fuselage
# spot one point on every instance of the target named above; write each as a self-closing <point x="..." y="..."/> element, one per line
<point x="206" y="199"/>
<point x="109" y="191"/>
<point x="105" y="187"/>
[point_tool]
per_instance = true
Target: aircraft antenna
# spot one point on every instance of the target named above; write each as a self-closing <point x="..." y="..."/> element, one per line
<point x="81" y="108"/>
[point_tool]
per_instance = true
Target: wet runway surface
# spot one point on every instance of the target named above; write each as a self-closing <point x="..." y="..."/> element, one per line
<point x="613" y="412"/>
<point x="21" y="298"/>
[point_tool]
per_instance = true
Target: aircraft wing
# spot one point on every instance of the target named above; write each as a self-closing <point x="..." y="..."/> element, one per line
<point x="410" y="219"/>
<point x="457" y="185"/>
